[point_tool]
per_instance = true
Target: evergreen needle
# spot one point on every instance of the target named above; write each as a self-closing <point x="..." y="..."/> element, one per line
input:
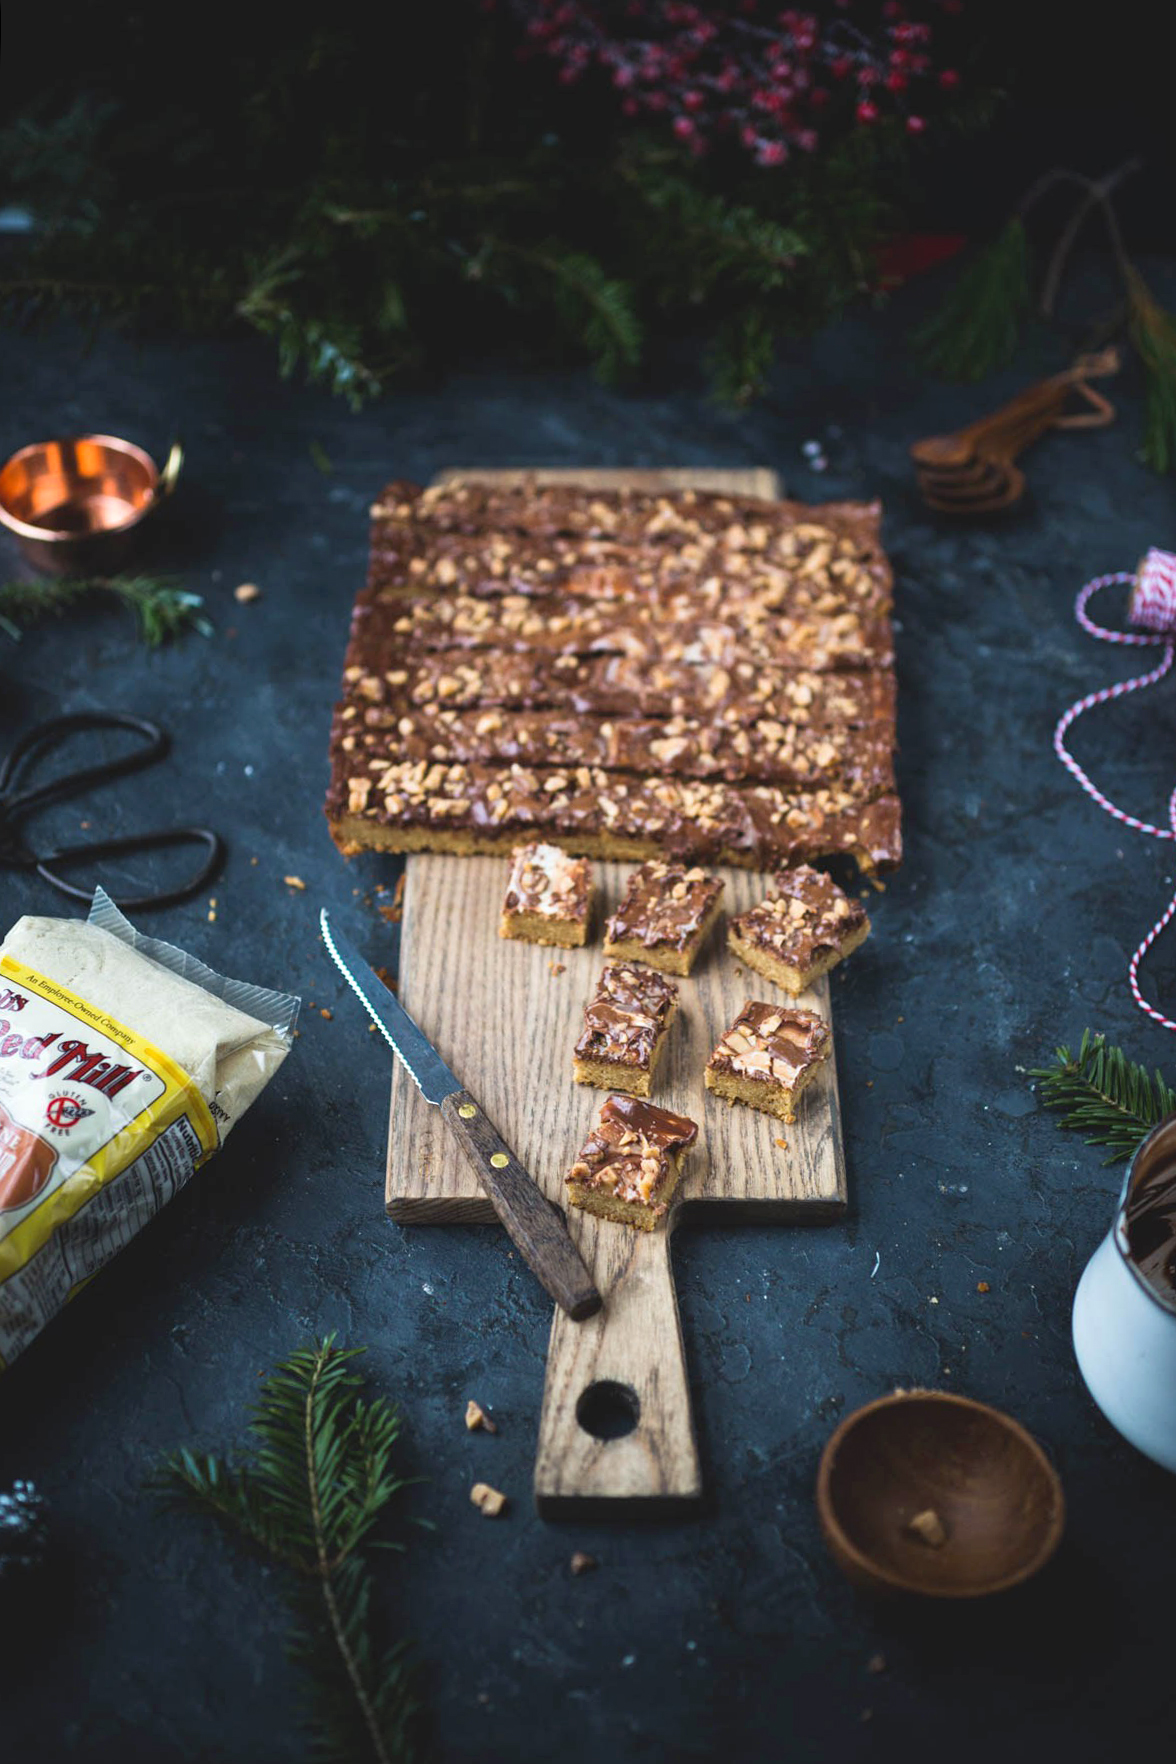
<point x="317" y="1483"/>
<point x="1104" y="1095"/>
<point x="161" y="607"/>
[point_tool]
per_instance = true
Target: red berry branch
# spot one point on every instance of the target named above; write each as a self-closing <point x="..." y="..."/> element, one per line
<point x="770" y="80"/>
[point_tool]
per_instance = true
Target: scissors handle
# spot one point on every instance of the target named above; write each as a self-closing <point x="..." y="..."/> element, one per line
<point x="104" y="848"/>
<point x="46" y="735"/>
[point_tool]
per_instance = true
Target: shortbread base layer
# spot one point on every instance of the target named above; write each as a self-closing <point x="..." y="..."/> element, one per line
<point x="539" y="928"/>
<point x="665" y="956"/>
<point x="792" y="980"/>
<point x="355" y="833"/>
<point x="760" y="1093"/>
<point x="639" y="1215"/>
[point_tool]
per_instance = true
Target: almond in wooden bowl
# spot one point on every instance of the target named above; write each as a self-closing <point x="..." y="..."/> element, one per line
<point x="930" y="1493"/>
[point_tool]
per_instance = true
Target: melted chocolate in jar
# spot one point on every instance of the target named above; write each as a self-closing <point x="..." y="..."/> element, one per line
<point x="1149" y="1224"/>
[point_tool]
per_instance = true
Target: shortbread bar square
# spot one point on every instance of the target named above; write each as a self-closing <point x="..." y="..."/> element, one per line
<point x="768" y="1056"/>
<point x="804" y="928"/>
<point x="626" y="1022"/>
<point x="665" y="916"/>
<point x="548" y="897"/>
<point x="630" y="1164"/>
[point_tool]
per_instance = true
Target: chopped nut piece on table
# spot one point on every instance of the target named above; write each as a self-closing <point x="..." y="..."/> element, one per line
<point x="626" y="1022"/>
<point x="804" y="928"/>
<point x="768" y="1056"/>
<point x="665" y="916"/>
<point x="629" y="1165"/>
<point x="491" y="1502"/>
<point x="476" y="1417"/>
<point x="548" y="897"/>
<point x="582" y="1563"/>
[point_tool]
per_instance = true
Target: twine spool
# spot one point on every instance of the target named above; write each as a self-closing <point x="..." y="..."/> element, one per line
<point x="1152" y="606"/>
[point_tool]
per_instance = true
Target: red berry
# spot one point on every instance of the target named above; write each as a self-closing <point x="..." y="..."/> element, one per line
<point x="771" y="153"/>
<point x="684" y="128"/>
<point x="949" y="79"/>
<point x="915" y="125"/>
<point x="841" y="67"/>
<point x="867" y="112"/>
<point x="896" y="82"/>
<point x="693" y="100"/>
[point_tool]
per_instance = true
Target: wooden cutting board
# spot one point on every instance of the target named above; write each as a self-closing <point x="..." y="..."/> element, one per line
<point x="616" y="1423"/>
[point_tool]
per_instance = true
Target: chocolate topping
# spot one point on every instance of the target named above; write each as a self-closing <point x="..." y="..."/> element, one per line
<point x="771" y="1044"/>
<point x="630" y="1149"/>
<point x="665" y="904"/>
<point x="1149" y="1218"/>
<point x="545" y="880"/>
<point x="807" y="915"/>
<point x="627" y="1015"/>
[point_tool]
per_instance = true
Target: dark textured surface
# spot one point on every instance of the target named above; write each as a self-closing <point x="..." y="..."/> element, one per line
<point x="1009" y="927"/>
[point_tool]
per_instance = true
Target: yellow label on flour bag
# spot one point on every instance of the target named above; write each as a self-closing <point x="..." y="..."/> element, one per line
<point x="100" y="1125"/>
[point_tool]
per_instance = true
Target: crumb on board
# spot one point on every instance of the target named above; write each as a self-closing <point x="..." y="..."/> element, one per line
<point x="325" y="1013"/>
<point x="490" y="1502"/>
<point x="394" y="911"/>
<point x="295" y="882"/>
<point x="388" y="978"/>
<point x="783" y="1144"/>
<point x="983" y="1286"/>
<point x="246" y="593"/>
<point x="876" y="1663"/>
<point x="582" y="1562"/>
<point x="476" y="1417"/>
<point x="557" y="967"/>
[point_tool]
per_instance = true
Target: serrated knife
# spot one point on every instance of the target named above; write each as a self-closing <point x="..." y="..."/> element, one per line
<point x="533" y="1224"/>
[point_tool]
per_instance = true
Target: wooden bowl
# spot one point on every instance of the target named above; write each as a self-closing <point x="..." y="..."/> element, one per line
<point x="996" y="1501"/>
<point x="72" y="504"/>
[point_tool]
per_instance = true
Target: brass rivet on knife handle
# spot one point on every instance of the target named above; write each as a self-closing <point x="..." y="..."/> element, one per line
<point x="534" y="1225"/>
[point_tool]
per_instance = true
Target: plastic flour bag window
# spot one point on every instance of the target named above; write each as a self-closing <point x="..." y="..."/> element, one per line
<point x="124" y="1063"/>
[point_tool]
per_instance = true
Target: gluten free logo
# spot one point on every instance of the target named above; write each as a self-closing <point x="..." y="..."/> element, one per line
<point x="63" y="1111"/>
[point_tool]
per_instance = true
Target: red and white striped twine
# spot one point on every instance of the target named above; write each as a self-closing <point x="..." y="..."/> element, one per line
<point x="1153" y="605"/>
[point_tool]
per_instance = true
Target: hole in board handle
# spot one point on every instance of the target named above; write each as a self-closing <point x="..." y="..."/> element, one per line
<point x="608" y="1410"/>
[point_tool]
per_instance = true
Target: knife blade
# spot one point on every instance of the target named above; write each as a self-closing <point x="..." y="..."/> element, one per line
<point x="535" y="1227"/>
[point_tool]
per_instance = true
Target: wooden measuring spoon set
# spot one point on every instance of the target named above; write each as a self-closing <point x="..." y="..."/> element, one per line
<point x="973" y="471"/>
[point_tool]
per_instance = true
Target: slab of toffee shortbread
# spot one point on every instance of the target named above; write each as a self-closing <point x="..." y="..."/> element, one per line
<point x="626" y="1022"/>
<point x="629" y="1165"/>
<point x="768" y="1056"/>
<point x="612" y="685"/>
<point x="805" y="927"/>
<point x="767" y="749"/>
<point x="548" y="897"/>
<point x="795" y="574"/>
<point x="665" y="916"/>
<point x="683" y="629"/>
<point x="648" y="517"/>
<point x="376" y="805"/>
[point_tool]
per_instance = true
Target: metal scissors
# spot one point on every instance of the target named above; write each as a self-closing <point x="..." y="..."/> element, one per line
<point x="16" y="803"/>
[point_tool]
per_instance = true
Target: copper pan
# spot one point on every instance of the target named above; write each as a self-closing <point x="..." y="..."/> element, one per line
<point x="74" y="504"/>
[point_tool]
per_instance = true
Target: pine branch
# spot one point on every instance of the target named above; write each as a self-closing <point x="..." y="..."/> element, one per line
<point x="1153" y="331"/>
<point x="979" y="325"/>
<point x="1105" y="1096"/>
<point x="317" y="1484"/>
<point x="162" y="609"/>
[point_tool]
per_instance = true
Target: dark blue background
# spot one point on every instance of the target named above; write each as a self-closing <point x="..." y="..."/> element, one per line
<point x="152" y="1637"/>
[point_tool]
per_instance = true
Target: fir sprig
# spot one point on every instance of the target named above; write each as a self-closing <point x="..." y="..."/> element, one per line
<point x="310" y="1497"/>
<point x="1153" y="332"/>
<point x="1104" y="1095"/>
<point x="979" y="325"/>
<point x="161" y="607"/>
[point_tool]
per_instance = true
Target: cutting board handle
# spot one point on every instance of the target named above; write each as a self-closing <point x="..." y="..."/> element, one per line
<point x="616" y="1421"/>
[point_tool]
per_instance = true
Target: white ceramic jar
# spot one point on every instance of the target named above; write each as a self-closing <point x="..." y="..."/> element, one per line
<point x="1125" y="1329"/>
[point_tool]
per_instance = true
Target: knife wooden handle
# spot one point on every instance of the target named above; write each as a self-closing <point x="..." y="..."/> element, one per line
<point x="532" y="1223"/>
